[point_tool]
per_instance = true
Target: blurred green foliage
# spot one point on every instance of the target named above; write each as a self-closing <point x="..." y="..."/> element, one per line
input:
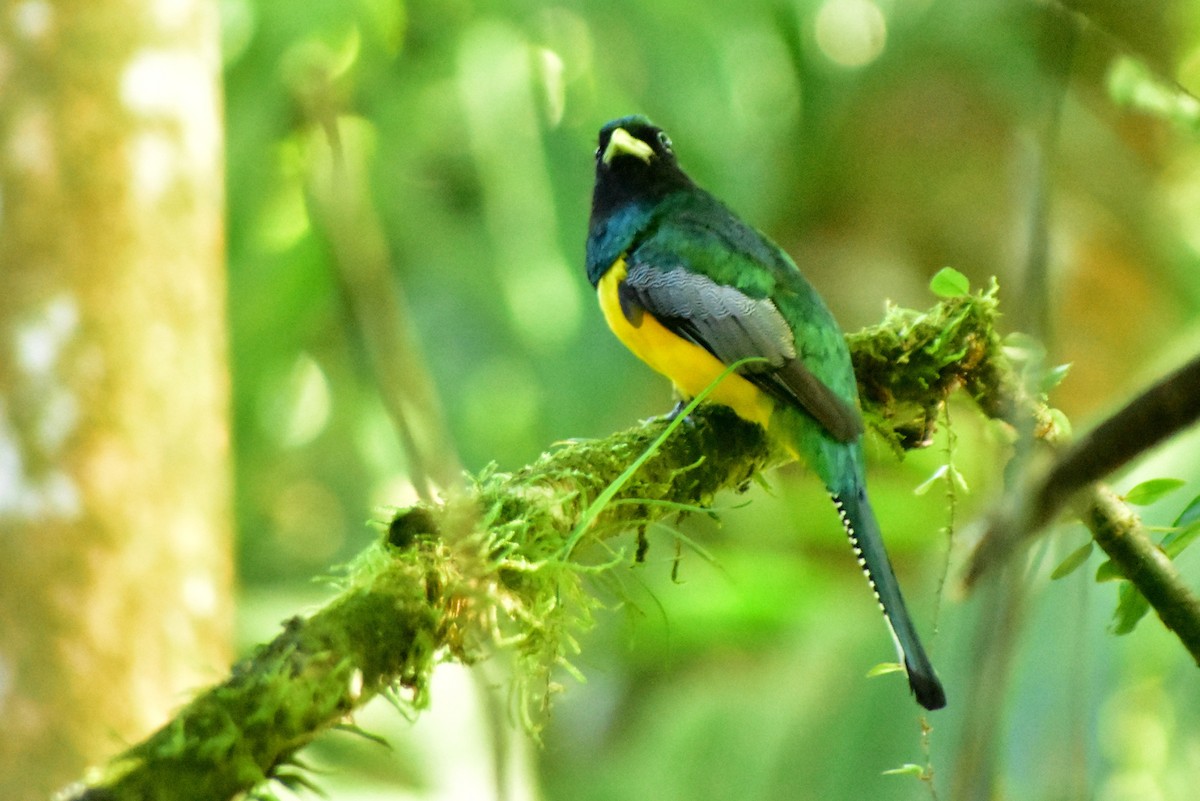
<point x="877" y="141"/>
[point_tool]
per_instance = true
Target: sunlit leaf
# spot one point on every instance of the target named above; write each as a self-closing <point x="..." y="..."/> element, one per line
<point x="884" y="668"/>
<point x="946" y="471"/>
<point x="958" y="478"/>
<point x="924" y="486"/>
<point x="949" y="283"/>
<point x="907" y="769"/>
<point x="548" y="66"/>
<point x="1062" y="425"/>
<point x="1073" y="561"/>
<point x="1133" y="84"/>
<point x="1150" y="491"/>
<point x="1054" y="376"/>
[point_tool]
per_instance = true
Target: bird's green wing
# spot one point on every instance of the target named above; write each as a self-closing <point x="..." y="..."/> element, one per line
<point x="713" y="290"/>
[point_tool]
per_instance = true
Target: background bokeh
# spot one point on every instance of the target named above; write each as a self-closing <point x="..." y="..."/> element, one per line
<point x="876" y="141"/>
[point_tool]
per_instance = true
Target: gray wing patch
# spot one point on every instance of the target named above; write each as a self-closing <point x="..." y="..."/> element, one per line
<point x="732" y="326"/>
<point x="726" y="322"/>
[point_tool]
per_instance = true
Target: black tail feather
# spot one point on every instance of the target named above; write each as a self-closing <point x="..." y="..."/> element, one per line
<point x="865" y="538"/>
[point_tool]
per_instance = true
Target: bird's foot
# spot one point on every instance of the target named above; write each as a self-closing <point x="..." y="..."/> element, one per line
<point x="677" y="410"/>
<point x="670" y="416"/>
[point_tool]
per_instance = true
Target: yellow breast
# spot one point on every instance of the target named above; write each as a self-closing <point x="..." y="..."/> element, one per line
<point x="690" y="367"/>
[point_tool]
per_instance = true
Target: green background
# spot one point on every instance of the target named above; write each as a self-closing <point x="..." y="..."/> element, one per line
<point x="876" y="142"/>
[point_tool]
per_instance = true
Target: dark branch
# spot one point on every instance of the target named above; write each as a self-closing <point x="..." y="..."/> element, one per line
<point x="1166" y="408"/>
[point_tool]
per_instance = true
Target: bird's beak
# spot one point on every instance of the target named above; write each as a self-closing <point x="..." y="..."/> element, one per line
<point x="621" y="143"/>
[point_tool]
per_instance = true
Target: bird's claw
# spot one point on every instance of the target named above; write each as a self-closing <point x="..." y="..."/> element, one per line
<point x="670" y="416"/>
<point x="677" y="410"/>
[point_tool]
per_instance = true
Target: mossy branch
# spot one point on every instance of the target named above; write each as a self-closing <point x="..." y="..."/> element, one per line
<point x="450" y="581"/>
<point x="459" y="578"/>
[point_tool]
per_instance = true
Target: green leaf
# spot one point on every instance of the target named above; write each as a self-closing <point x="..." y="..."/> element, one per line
<point x="1108" y="571"/>
<point x="1132" y="606"/>
<point x="1073" y="561"/>
<point x="884" y="668"/>
<point x="907" y="769"/>
<point x="1174" y="543"/>
<point x="1061" y="424"/>
<point x="949" y="283"/>
<point x="361" y="732"/>
<point x="1150" y="491"/>
<point x="1190" y="513"/>
<point x="958" y="478"/>
<point x="1133" y="84"/>
<point x="925" y="485"/>
<point x="1185" y="530"/>
<point x="1054" y="376"/>
<point x="1027" y="346"/>
<point x="946" y="472"/>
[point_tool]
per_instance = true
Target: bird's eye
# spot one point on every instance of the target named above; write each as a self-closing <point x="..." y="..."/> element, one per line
<point x="664" y="140"/>
<point x="597" y="154"/>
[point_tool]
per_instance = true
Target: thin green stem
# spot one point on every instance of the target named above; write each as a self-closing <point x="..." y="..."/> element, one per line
<point x="604" y="498"/>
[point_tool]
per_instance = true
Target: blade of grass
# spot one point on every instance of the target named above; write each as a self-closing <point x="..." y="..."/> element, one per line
<point x="610" y="492"/>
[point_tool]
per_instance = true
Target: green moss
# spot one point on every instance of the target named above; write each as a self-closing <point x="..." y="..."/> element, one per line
<point x="486" y="569"/>
<point x="908" y="365"/>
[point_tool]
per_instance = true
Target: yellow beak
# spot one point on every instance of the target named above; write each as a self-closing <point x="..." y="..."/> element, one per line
<point x="623" y="144"/>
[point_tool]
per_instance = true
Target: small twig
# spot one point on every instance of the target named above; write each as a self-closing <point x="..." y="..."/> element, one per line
<point x="1167" y="407"/>
<point x="339" y="200"/>
<point x="1121" y="535"/>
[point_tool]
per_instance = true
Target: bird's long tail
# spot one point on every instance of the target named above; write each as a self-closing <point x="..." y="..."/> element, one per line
<point x="865" y="538"/>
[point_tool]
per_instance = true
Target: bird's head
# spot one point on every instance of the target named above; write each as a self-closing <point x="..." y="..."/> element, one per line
<point x="635" y="160"/>
<point x="636" y="138"/>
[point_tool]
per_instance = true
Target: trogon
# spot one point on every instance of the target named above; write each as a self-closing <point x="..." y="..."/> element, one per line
<point x="691" y="289"/>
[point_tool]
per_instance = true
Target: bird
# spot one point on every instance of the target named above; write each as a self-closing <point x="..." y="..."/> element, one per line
<point x="691" y="290"/>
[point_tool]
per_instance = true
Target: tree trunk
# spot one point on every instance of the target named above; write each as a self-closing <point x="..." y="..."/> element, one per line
<point x="115" y="563"/>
